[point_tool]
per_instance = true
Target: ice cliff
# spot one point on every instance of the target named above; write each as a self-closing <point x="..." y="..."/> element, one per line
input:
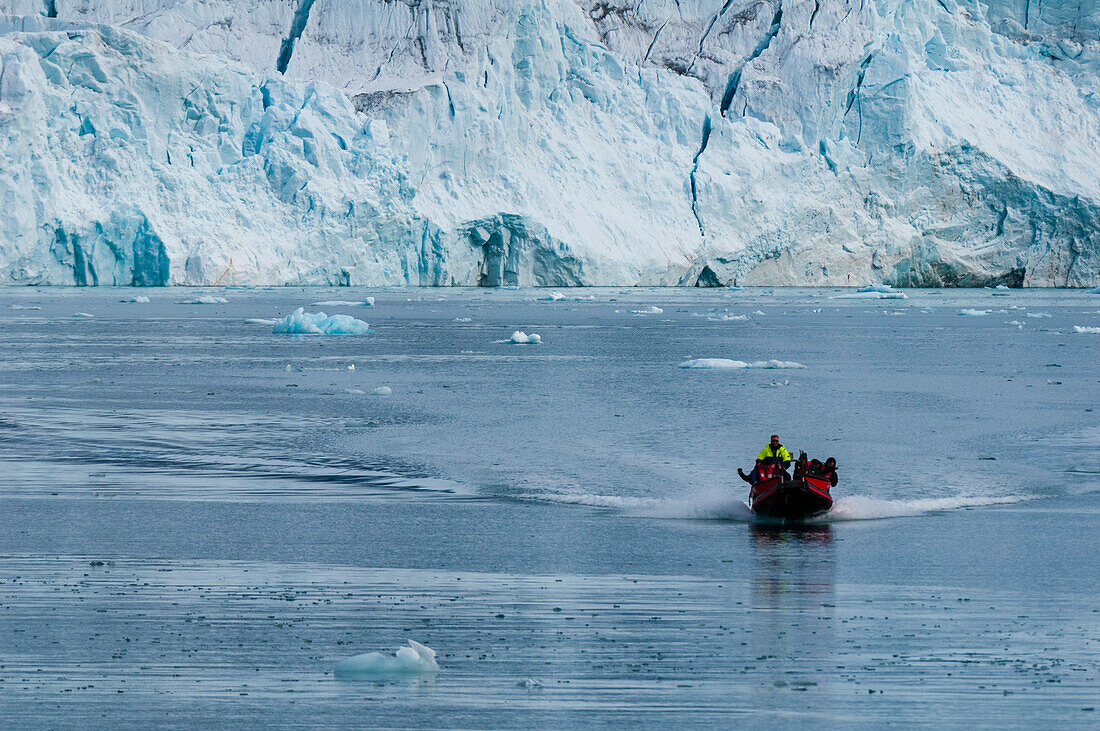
<point x="550" y="142"/>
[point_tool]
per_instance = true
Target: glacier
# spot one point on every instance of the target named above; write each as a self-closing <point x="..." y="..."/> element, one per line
<point x="550" y="142"/>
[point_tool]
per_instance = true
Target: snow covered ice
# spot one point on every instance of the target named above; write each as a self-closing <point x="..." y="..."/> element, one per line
<point x="915" y="143"/>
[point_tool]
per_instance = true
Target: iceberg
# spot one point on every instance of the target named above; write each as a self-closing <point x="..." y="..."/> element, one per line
<point x="301" y="322"/>
<point x="724" y="364"/>
<point x="206" y="299"/>
<point x="521" y="338"/>
<point x="368" y="302"/>
<point x="1086" y="329"/>
<point x="414" y="660"/>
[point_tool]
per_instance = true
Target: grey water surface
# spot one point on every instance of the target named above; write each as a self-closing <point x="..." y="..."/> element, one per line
<point x="200" y="518"/>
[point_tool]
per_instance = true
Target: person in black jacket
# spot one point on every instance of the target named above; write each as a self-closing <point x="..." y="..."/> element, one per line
<point x="828" y="471"/>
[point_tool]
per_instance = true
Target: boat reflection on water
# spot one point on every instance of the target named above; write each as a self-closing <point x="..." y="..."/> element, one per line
<point x="793" y="602"/>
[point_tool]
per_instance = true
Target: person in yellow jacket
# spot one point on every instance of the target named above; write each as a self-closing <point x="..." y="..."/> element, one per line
<point x="773" y="453"/>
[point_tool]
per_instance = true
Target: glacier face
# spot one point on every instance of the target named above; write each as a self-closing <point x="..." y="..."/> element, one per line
<point x="551" y="142"/>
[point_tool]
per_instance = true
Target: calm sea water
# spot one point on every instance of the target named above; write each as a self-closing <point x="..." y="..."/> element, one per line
<point x="201" y="518"/>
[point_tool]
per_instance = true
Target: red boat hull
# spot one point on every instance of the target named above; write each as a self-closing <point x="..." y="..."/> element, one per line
<point x="799" y="499"/>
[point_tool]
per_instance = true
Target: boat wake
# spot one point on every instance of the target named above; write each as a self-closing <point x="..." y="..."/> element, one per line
<point x="719" y="505"/>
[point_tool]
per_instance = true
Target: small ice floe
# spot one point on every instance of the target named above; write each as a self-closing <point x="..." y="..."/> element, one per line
<point x="25" y="307"/>
<point x="136" y="300"/>
<point x="355" y="391"/>
<point x="875" y="292"/>
<point x="651" y="310"/>
<point x="351" y="367"/>
<point x="775" y="384"/>
<point x="383" y="391"/>
<point x="368" y="302"/>
<point x="206" y="299"/>
<point x="521" y="338"/>
<point x="973" y="313"/>
<point x="759" y="313"/>
<point x="724" y="363"/>
<point x="726" y="317"/>
<point x="1037" y="314"/>
<point x="83" y="314"/>
<point x="529" y="684"/>
<point x="411" y="661"/>
<point x="301" y="322"/>
<point x="1001" y="286"/>
<point x="1094" y="290"/>
<point x="464" y="319"/>
<point x="552" y="297"/>
<point x="1084" y="329"/>
<point x="258" y="321"/>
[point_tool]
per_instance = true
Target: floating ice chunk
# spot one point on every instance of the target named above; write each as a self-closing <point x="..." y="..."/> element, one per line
<point x="882" y="288"/>
<point x="83" y="314"/>
<point x="258" y="321"/>
<point x="529" y="684"/>
<point x="464" y="319"/>
<point x="724" y="363"/>
<point x="726" y="317"/>
<point x="25" y="307"/>
<point x="136" y="300"/>
<point x="872" y="295"/>
<point x="775" y="384"/>
<point x="351" y="367"/>
<point x="759" y="313"/>
<point x="1017" y="323"/>
<point x="1083" y="329"/>
<point x="206" y="299"/>
<point x="301" y="322"/>
<point x="553" y="297"/>
<point x="368" y="302"/>
<point x="651" y="310"/>
<point x="1037" y="314"/>
<point x="1001" y="286"/>
<point x="1094" y="290"/>
<point x="383" y="391"/>
<point x="973" y="313"/>
<point x="416" y="659"/>
<point x="521" y="338"/>
<point x="355" y="391"/>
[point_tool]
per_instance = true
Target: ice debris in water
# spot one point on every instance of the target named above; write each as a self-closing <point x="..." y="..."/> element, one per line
<point x="259" y="321"/>
<point x="651" y="310"/>
<point x="724" y="363"/>
<point x="1001" y="286"/>
<point x="1094" y="290"/>
<point x="383" y="391"/>
<point x="135" y="300"/>
<point x="1090" y="330"/>
<point x="464" y="319"/>
<point x="351" y="367"/>
<point x="368" y="302"/>
<point x="521" y="338"/>
<point x="1037" y="314"/>
<point x="973" y="313"/>
<point x="875" y="291"/>
<point x="529" y="684"/>
<point x="206" y="299"/>
<point x="301" y="322"/>
<point x="416" y="659"/>
<point x="83" y="314"/>
<point x="553" y="297"/>
<point x="25" y="307"/>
